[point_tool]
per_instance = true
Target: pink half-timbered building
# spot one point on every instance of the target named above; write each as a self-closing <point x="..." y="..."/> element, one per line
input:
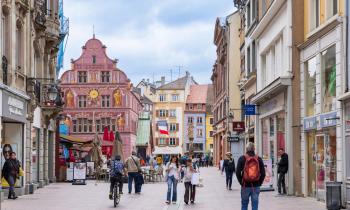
<point x="97" y="95"/>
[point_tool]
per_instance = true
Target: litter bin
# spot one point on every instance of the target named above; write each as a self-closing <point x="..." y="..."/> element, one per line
<point x="333" y="195"/>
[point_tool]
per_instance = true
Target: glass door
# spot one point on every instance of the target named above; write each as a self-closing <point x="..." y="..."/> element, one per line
<point x="320" y="167"/>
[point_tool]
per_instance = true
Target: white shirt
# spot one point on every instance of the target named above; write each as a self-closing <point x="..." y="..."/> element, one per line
<point x="172" y="170"/>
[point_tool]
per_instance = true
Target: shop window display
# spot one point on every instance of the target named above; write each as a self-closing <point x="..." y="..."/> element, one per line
<point x="328" y="79"/>
<point x="310" y="87"/>
<point x="265" y="138"/>
<point x="310" y="138"/>
<point x="281" y="143"/>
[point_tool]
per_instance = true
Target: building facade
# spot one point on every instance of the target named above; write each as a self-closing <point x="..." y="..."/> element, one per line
<point x="169" y="106"/>
<point x="195" y="121"/>
<point x="28" y="47"/>
<point x="225" y="77"/>
<point x="322" y="86"/>
<point x="209" y="121"/>
<point x="99" y="95"/>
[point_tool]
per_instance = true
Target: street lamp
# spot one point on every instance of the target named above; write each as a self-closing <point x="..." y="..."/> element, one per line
<point x="52" y="93"/>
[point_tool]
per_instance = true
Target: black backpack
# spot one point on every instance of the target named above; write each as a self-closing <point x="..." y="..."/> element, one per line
<point x="231" y="165"/>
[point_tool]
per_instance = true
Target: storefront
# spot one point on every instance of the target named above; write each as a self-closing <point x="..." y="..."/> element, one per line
<point x="321" y="114"/>
<point x="273" y="123"/>
<point x="13" y="123"/>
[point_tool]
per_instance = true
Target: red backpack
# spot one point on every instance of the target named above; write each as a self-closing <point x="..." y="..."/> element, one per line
<point x="251" y="171"/>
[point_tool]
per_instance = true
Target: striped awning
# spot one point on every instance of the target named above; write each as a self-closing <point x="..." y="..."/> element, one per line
<point x="73" y="140"/>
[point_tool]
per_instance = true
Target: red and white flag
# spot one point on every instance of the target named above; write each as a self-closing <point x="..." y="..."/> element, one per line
<point x="163" y="127"/>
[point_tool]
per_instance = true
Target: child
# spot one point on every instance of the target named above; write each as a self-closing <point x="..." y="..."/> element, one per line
<point x="190" y="190"/>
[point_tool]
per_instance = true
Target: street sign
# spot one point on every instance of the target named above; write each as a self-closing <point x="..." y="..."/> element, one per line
<point x="238" y="126"/>
<point x="233" y="138"/>
<point x="249" y="109"/>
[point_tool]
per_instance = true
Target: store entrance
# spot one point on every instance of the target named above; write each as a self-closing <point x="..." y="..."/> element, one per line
<point x="320" y="167"/>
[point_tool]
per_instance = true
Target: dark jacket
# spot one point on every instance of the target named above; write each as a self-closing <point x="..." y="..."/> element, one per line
<point x="240" y="168"/>
<point x="226" y="166"/>
<point x="10" y="168"/>
<point x="283" y="164"/>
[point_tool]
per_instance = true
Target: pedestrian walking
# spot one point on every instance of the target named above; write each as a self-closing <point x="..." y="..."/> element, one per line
<point x="190" y="190"/>
<point x="281" y="171"/>
<point x="172" y="171"/>
<point x="229" y="168"/>
<point x="250" y="173"/>
<point x="133" y="168"/>
<point x="10" y="171"/>
<point x="117" y="171"/>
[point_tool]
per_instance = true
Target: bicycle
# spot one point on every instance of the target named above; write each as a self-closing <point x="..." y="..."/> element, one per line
<point x="116" y="195"/>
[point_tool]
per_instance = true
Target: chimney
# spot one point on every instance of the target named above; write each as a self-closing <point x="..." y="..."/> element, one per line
<point x="162" y="80"/>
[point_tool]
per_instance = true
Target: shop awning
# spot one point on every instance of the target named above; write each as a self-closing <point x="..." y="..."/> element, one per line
<point x="167" y="150"/>
<point x="73" y="140"/>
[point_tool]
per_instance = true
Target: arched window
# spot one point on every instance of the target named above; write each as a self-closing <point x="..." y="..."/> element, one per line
<point x="5" y="32"/>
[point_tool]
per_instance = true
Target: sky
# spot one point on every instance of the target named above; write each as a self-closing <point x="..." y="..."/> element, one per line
<point x="151" y="38"/>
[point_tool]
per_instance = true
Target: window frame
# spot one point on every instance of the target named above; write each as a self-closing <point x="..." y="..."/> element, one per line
<point x="82" y="101"/>
<point x="82" y="77"/>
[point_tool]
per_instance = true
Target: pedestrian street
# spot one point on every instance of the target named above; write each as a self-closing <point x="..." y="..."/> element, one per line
<point x="213" y="196"/>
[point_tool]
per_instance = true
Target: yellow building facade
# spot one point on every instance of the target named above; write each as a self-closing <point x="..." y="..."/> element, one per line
<point x="209" y="143"/>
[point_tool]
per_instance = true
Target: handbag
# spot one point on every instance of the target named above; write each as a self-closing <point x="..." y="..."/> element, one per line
<point x="21" y="172"/>
<point x="195" y="179"/>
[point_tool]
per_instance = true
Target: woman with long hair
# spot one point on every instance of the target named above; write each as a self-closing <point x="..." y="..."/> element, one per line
<point x="172" y="170"/>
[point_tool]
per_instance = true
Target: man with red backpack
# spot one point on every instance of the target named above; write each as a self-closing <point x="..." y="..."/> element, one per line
<point x="250" y="173"/>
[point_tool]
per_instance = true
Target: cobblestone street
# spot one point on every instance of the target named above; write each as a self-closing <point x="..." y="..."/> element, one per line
<point x="213" y="196"/>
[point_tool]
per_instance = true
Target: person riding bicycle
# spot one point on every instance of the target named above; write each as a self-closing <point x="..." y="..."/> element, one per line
<point x="117" y="170"/>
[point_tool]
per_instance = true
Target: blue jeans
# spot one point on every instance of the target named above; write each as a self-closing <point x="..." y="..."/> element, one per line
<point x="132" y="177"/>
<point x="172" y="182"/>
<point x="11" y="181"/>
<point x="252" y="192"/>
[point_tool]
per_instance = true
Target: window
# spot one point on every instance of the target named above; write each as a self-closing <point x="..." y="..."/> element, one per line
<point x="173" y="113"/>
<point x="82" y="76"/>
<point x="175" y="97"/>
<point x="98" y="126"/>
<point x="263" y="6"/>
<point x="162" y="97"/>
<point x="199" y="120"/>
<point x="19" y="47"/>
<point x="173" y="126"/>
<point x="328" y="79"/>
<point x="74" y="126"/>
<point x="172" y="141"/>
<point x="199" y="106"/>
<point x="190" y="106"/>
<point x="105" y="101"/>
<point x="105" y="122"/>
<point x="94" y="59"/>
<point x="331" y="8"/>
<point x="211" y="120"/>
<point x="82" y="125"/>
<point x="211" y="133"/>
<point x="105" y="76"/>
<point x="315" y="14"/>
<point x="248" y="60"/>
<point x="252" y="8"/>
<point x="310" y="86"/>
<point x="163" y="113"/>
<point x="253" y="57"/>
<point x="211" y="146"/>
<point x="81" y="101"/>
<point x="199" y="132"/>
<point x="190" y="119"/>
<point x="162" y="141"/>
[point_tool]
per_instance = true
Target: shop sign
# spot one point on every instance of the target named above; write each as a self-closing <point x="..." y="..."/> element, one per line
<point x="328" y="119"/>
<point x="310" y="123"/>
<point x="249" y="109"/>
<point x="233" y="138"/>
<point x="238" y="126"/>
<point x="14" y="108"/>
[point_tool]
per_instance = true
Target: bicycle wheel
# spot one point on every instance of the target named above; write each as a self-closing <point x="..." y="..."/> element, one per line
<point x="116" y="196"/>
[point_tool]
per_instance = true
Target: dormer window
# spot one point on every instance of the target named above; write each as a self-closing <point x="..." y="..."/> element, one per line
<point x="94" y="59"/>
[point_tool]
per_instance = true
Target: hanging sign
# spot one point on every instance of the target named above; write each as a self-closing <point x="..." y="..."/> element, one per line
<point x="249" y="109"/>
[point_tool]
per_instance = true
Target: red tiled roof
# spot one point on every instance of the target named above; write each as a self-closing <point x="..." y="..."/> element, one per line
<point x="198" y="94"/>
